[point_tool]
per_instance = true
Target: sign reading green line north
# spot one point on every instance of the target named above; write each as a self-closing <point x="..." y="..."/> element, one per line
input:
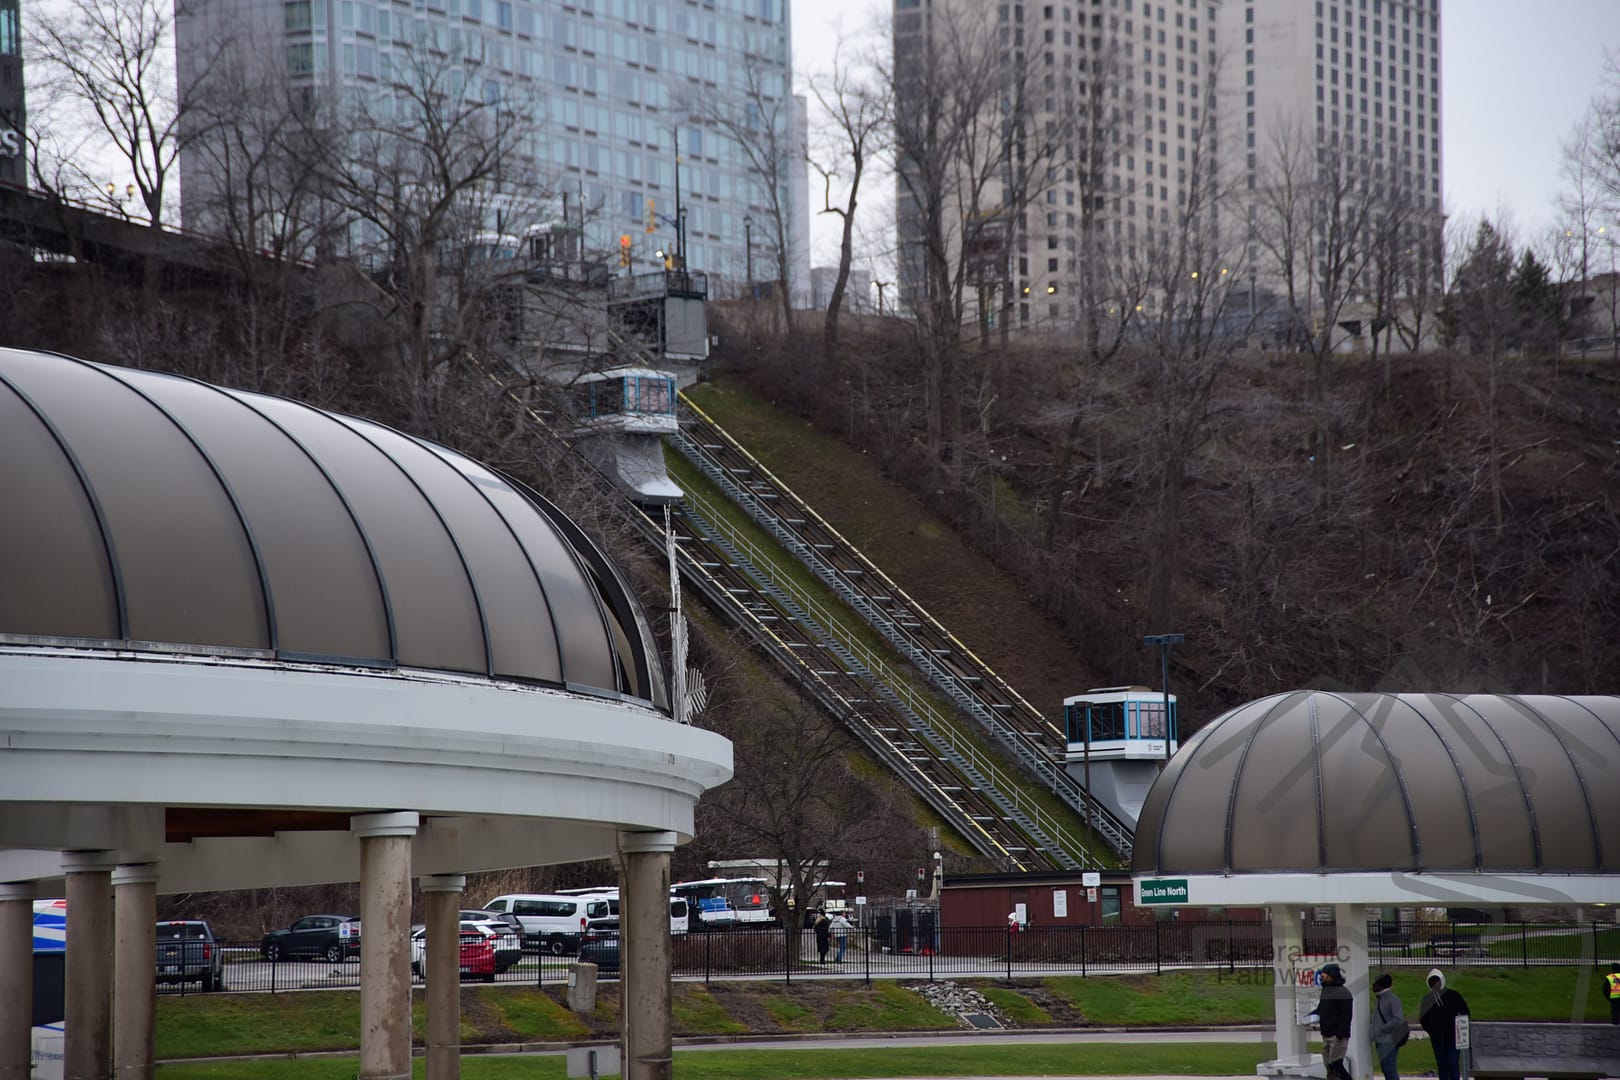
<point x="1164" y="891"/>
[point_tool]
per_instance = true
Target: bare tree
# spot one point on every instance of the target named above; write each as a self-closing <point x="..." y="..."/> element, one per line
<point x="760" y="124"/>
<point x="253" y="182"/>
<point x="1110" y="295"/>
<point x="430" y="179"/>
<point x="972" y="153"/>
<point x="111" y="59"/>
<point x="1188" y="269"/>
<point x="857" y="114"/>
<point x="1487" y="316"/>
<point x="1314" y="214"/>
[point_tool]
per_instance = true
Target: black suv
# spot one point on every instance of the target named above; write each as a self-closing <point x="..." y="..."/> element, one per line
<point x="334" y="937"/>
<point x="187" y="952"/>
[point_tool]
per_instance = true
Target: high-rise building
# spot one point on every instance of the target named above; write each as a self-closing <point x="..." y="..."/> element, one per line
<point x="624" y="94"/>
<point x="1351" y="89"/>
<point x="13" y="115"/>
<point x="1102" y="107"/>
<point x="1119" y="117"/>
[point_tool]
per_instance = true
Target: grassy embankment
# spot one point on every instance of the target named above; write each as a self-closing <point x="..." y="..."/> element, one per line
<point x="310" y="1021"/>
<point x="846" y="625"/>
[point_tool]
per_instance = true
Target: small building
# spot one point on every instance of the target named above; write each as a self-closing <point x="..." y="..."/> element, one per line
<point x="1059" y="898"/>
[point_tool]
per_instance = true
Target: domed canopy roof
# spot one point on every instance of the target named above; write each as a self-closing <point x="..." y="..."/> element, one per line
<point x="1320" y="782"/>
<point x="155" y="512"/>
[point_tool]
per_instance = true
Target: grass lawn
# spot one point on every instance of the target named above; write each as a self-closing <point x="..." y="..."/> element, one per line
<point x="1178" y="998"/>
<point x="809" y="1062"/>
<point x="209" y="1025"/>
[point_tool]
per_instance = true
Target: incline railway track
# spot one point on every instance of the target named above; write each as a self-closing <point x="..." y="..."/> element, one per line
<point x="898" y="727"/>
<point x="1034" y="743"/>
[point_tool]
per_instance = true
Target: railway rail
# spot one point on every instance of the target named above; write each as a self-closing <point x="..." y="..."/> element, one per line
<point x="898" y="726"/>
<point x="977" y="691"/>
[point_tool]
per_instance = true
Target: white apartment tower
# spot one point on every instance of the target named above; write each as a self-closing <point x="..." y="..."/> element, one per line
<point x="1120" y="92"/>
<point x="621" y="90"/>
<point x="1143" y="99"/>
<point x="1356" y="82"/>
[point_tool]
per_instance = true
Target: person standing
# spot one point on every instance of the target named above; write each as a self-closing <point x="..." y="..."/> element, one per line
<point x="1611" y="984"/>
<point x="1389" y="1029"/>
<point x="841" y="928"/>
<point x="823" y="929"/>
<point x="1438" y="1015"/>
<point x="1333" y="1014"/>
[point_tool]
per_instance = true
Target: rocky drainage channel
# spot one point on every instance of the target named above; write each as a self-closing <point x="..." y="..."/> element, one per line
<point x="971" y="1008"/>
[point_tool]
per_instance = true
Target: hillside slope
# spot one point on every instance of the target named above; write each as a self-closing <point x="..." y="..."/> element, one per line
<point x="980" y="603"/>
<point x="1451" y="529"/>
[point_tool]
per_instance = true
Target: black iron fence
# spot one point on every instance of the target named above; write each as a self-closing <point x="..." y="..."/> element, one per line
<point x="998" y="952"/>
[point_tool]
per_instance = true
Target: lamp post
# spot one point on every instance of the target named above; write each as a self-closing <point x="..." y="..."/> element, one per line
<point x="1164" y="641"/>
<point x="881" y="285"/>
<point x="748" y="240"/>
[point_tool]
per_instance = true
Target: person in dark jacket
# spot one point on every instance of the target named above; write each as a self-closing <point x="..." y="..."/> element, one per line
<point x="1389" y="1025"/>
<point x="1438" y="1015"/>
<point x="823" y="930"/>
<point x="1334" y="1012"/>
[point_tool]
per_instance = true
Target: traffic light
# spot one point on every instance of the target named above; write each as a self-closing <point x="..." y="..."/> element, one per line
<point x="624" y="249"/>
<point x="652" y="217"/>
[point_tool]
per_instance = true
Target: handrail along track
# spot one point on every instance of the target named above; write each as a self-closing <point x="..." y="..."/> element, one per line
<point x="714" y="560"/>
<point x="969" y="682"/>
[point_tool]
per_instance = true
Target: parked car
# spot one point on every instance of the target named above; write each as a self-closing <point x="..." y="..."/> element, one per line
<point x="509" y="922"/>
<point x="477" y="949"/>
<point x="600" y="927"/>
<point x="187" y="952"/>
<point x="601" y="947"/>
<point x="334" y="937"/>
<point x="508" y="946"/>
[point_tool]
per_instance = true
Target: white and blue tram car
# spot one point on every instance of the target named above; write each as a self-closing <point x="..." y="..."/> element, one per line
<point x="1118" y="737"/>
<point x="623" y="415"/>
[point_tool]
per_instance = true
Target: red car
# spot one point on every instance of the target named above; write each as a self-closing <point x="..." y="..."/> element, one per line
<point x="477" y="954"/>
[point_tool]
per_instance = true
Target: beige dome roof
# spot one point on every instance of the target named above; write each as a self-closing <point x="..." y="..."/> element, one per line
<point x="149" y="511"/>
<point x="1312" y="781"/>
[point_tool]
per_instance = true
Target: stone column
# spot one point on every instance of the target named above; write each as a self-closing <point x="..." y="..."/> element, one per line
<point x="644" y="954"/>
<point x="1350" y="926"/>
<point x="88" y="977"/>
<point x="134" y="970"/>
<point x="16" y="979"/>
<point x="1287" y="943"/>
<point x="385" y="948"/>
<point x="442" y="894"/>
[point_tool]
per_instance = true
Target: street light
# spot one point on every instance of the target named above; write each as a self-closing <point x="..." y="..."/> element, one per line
<point x="1164" y="641"/>
<point x="748" y="239"/>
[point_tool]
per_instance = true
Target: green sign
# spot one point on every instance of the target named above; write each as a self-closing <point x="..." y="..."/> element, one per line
<point x="1164" y="891"/>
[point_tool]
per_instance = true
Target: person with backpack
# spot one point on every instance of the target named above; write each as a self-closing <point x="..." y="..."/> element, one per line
<point x="1438" y="1015"/>
<point x="1389" y="1027"/>
<point x="1333" y="1013"/>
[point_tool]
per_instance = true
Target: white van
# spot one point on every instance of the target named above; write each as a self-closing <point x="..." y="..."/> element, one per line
<point x="602" y="903"/>
<point x="551" y="923"/>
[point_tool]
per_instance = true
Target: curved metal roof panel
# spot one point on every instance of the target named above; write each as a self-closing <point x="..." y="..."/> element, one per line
<point x="1311" y="781"/>
<point x="146" y="508"/>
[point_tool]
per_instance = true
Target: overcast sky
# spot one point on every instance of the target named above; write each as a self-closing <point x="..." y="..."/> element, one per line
<point x="1516" y="75"/>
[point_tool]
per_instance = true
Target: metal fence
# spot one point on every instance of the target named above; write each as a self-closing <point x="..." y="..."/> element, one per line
<point x="997" y="952"/>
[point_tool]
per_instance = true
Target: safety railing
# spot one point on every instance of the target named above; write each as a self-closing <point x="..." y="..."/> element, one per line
<point x="910" y="945"/>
